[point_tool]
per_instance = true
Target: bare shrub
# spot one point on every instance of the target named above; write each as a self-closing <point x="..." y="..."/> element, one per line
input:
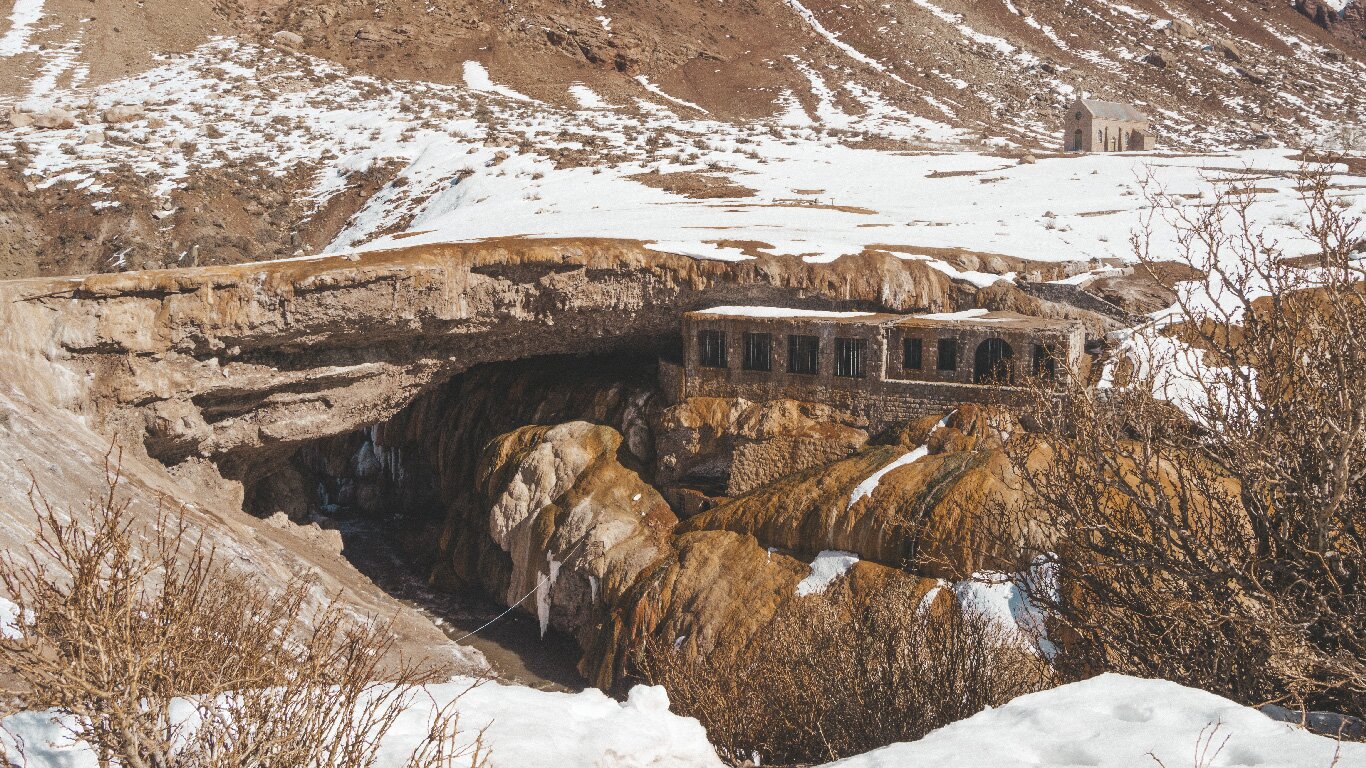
<point x="1207" y="514"/>
<point x="838" y="675"/>
<point x="157" y="654"/>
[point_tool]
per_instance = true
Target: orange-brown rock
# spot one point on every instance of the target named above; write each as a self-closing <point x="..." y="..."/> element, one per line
<point x="576" y="525"/>
<point x="935" y="515"/>
<point x="713" y="595"/>
<point x="739" y="445"/>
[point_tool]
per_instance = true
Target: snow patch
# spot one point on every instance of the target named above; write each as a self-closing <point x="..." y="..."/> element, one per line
<point x="9" y="620"/>
<point x="656" y="90"/>
<point x="525" y="728"/>
<point x="966" y="314"/>
<point x="834" y="39"/>
<point x="587" y="97"/>
<point x="698" y="250"/>
<point x="477" y="79"/>
<point x="828" y="566"/>
<point x="25" y="14"/>
<point x="997" y="598"/>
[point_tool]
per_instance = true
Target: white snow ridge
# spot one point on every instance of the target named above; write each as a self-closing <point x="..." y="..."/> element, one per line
<point x="1114" y="721"/>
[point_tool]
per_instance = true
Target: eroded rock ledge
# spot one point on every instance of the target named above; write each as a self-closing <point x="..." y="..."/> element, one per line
<point x="228" y="363"/>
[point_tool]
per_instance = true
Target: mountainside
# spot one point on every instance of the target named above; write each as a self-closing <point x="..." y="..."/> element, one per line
<point x="1210" y="72"/>
<point x="158" y="133"/>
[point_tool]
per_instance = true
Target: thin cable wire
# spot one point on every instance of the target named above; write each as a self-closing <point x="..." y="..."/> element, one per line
<point x="510" y="609"/>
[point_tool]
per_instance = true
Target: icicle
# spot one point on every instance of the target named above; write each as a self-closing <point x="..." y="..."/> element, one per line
<point x="543" y="590"/>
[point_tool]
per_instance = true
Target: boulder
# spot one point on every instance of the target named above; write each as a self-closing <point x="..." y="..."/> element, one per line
<point x="1155" y="59"/>
<point x="1228" y="49"/>
<point x="123" y="113"/>
<point x="19" y="119"/>
<point x="54" y="117"/>
<point x="288" y="39"/>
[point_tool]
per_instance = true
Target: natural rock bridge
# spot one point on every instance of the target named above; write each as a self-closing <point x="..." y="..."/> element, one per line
<point x="219" y="362"/>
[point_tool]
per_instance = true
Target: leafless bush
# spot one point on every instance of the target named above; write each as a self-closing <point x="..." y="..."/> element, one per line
<point x="156" y="654"/>
<point x="836" y="676"/>
<point x="1206" y="514"/>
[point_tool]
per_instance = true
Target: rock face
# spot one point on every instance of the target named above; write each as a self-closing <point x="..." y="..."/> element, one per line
<point x="921" y="504"/>
<point x="55" y="451"/>
<point x="577" y="527"/>
<point x="560" y="527"/>
<point x="244" y="364"/>
<point x="734" y="445"/>
<point x="714" y="594"/>
<point x="542" y="469"/>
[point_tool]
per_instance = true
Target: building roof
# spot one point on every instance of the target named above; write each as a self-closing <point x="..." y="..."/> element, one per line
<point x="1113" y="110"/>
<point x="987" y="319"/>
<point x="787" y="313"/>
<point x="969" y="317"/>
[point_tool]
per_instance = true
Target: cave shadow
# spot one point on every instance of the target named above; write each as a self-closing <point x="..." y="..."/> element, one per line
<point x="511" y="640"/>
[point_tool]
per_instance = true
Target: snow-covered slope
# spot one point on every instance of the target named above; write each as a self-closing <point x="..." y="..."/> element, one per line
<point x="475" y="162"/>
<point x="1114" y="721"/>
<point x="1211" y="71"/>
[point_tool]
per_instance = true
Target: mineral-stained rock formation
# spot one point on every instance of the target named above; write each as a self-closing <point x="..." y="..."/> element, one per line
<point x="243" y="364"/>
<point x="737" y="445"/>
<point x="227" y="372"/>
<point x="576" y="526"/>
<point x="713" y="595"/>
<point x="932" y="514"/>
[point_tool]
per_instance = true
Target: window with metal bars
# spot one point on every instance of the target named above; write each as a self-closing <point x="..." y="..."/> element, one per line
<point x="711" y="349"/>
<point x="803" y="354"/>
<point x="948" y="355"/>
<point x="1045" y="365"/>
<point x="851" y="357"/>
<point x="758" y="352"/>
<point x="912" y="351"/>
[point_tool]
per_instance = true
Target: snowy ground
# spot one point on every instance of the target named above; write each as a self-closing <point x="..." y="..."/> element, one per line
<point x="525" y="728"/>
<point x="484" y="161"/>
<point x="1114" y="721"/>
<point x="1110" y="721"/>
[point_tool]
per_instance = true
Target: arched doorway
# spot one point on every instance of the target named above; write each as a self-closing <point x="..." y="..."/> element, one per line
<point x="992" y="363"/>
<point x="1076" y="141"/>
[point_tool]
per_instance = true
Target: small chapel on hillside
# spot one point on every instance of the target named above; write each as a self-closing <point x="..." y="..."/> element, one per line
<point x="1093" y="125"/>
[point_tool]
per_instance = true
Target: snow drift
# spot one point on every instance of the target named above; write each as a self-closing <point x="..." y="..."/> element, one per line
<point x="1111" y="721"/>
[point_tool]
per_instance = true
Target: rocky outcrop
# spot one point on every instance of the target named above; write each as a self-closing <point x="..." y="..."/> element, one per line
<point x="576" y="526"/>
<point x="717" y="590"/>
<point x="54" y="452"/>
<point x="926" y="503"/>
<point x="244" y="364"/>
<point x="733" y="446"/>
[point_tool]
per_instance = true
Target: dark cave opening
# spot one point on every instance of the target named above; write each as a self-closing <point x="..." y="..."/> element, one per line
<point x="402" y="496"/>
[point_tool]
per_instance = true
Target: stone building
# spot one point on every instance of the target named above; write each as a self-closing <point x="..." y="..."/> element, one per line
<point x="882" y="368"/>
<point x="1093" y="125"/>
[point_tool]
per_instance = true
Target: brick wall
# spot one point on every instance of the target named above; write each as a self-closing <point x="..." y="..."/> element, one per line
<point x="878" y="404"/>
<point x="889" y="393"/>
